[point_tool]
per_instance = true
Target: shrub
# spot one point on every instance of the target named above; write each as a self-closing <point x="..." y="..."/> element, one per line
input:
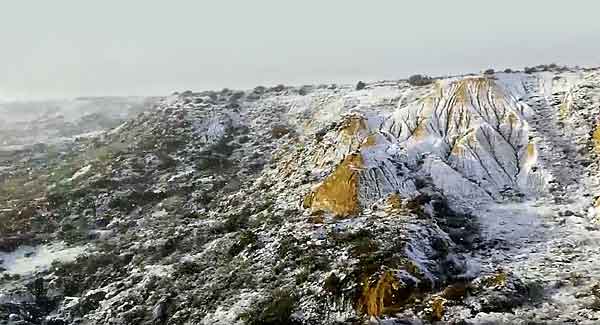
<point x="289" y="247"/>
<point x="508" y="70"/>
<point x="277" y="309"/>
<point x="333" y="284"/>
<point x="529" y="70"/>
<point x="489" y="71"/>
<point x="278" y="88"/>
<point x="360" y="85"/>
<point x="304" y="90"/>
<point x="419" y="80"/>
<point x="259" y="90"/>
<point x="247" y="239"/>
<point x="237" y="96"/>
<point x="278" y="131"/>
<point x="237" y="221"/>
<point x="188" y="268"/>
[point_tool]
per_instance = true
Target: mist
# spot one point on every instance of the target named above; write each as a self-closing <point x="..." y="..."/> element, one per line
<point x="69" y="48"/>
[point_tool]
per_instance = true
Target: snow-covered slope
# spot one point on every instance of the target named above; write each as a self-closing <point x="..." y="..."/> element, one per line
<point x="469" y="200"/>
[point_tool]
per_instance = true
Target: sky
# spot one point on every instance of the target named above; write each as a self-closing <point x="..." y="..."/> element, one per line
<point x="69" y="48"/>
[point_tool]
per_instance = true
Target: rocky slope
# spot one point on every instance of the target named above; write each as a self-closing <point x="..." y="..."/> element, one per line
<point x="469" y="200"/>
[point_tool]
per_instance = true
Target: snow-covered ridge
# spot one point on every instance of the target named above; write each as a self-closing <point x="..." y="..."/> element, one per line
<point x="465" y="200"/>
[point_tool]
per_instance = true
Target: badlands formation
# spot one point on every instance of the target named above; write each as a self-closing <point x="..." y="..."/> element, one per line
<point x="464" y="200"/>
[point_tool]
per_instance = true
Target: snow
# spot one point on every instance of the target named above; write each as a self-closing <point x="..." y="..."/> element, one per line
<point x="29" y="259"/>
<point x="189" y="171"/>
<point x="226" y="315"/>
<point x="512" y="222"/>
<point x="159" y="270"/>
<point x="160" y="214"/>
<point x="531" y="226"/>
<point x="82" y="172"/>
<point x="118" y="129"/>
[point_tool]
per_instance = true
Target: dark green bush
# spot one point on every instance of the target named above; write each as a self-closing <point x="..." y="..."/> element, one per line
<point x="247" y="239"/>
<point x="360" y="85"/>
<point x="419" y="80"/>
<point x="275" y="310"/>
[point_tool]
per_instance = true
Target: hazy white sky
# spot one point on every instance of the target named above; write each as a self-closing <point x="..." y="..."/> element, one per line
<point x="70" y="48"/>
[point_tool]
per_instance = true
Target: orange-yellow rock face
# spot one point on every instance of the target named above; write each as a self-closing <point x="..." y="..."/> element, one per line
<point x="596" y="138"/>
<point x="370" y="141"/>
<point x="530" y="151"/>
<point x="437" y="308"/>
<point x="394" y="203"/>
<point x="353" y="126"/>
<point x="384" y="296"/>
<point x="421" y="131"/>
<point x="338" y="194"/>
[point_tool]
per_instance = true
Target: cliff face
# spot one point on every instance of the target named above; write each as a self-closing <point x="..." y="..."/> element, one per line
<point x="460" y="200"/>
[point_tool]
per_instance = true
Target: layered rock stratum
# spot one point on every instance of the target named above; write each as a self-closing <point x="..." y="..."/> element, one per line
<point x="469" y="200"/>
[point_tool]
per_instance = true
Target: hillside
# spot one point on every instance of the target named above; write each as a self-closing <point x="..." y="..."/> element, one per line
<point x="465" y="200"/>
<point x="53" y="121"/>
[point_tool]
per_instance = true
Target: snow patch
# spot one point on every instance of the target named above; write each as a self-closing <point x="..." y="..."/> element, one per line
<point x="29" y="259"/>
<point x="83" y="171"/>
